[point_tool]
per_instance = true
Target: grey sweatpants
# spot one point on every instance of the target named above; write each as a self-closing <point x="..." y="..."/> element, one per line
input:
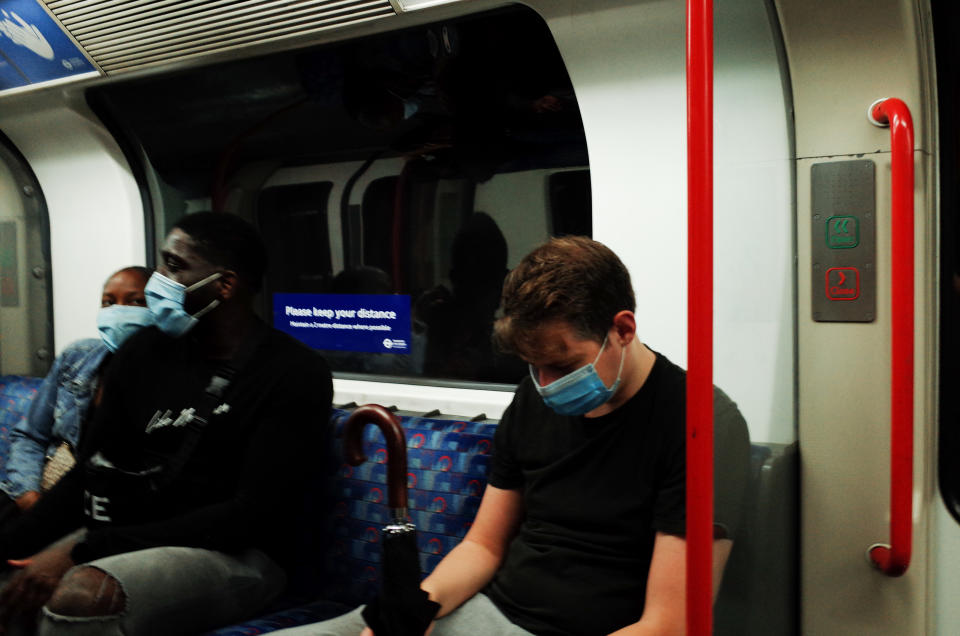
<point x="173" y="590"/>
<point x="477" y="616"/>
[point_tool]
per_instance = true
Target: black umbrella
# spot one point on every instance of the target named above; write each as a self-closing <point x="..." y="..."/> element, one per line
<point x="401" y="608"/>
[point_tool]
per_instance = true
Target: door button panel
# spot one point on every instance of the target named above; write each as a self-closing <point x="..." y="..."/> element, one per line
<point x="843" y="241"/>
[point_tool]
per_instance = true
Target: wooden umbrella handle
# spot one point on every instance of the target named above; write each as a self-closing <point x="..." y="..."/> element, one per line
<point x="396" y="443"/>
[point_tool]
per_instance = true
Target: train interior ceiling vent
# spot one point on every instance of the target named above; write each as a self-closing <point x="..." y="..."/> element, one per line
<point x="125" y="35"/>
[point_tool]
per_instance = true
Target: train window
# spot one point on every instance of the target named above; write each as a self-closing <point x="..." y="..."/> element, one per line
<point x="395" y="179"/>
<point x="26" y="304"/>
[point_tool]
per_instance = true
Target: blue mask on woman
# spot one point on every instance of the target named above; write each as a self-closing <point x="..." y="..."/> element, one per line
<point x="578" y="392"/>
<point x="116" y="323"/>
<point x="165" y="300"/>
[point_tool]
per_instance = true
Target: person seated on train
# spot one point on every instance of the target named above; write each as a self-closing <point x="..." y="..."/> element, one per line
<point x="196" y="464"/>
<point x="581" y="527"/>
<point x="43" y="444"/>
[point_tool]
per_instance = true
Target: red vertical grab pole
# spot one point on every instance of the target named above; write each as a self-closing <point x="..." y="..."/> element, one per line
<point x="894" y="559"/>
<point x="699" y="440"/>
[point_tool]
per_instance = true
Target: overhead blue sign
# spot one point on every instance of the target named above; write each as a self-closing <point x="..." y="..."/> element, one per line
<point x="372" y="323"/>
<point x="34" y="48"/>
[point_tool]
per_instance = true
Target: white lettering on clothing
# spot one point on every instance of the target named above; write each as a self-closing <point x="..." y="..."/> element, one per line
<point x="162" y="421"/>
<point x="97" y="507"/>
<point x="159" y="421"/>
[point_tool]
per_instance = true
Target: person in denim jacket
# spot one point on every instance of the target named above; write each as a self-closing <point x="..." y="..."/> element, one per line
<point x="65" y="399"/>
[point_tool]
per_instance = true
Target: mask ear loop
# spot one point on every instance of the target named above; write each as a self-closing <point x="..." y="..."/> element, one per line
<point x="603" y="345"/>
<point x="213" y="305"/>
<point x="623" y="351"/>
<point x="623" y="356"/>
<point x="201" y="283"/>
<point x="197" y="285"/>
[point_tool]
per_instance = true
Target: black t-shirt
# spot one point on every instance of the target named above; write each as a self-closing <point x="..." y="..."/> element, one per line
<point x="244" y="483"/>
<point x="595" y="492"/>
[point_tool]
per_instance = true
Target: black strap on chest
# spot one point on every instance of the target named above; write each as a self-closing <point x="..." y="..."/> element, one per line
<point x="212" y="402"/>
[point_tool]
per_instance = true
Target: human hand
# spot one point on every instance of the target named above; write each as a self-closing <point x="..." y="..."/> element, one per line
<point x="30" y="588"/>
<point x="26" y="500"/>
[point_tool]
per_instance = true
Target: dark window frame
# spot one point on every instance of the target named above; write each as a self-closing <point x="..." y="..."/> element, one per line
<point x="947" y="52"/>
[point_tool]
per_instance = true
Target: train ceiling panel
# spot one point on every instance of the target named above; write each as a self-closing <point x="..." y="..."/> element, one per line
<point x="125" y="35"/>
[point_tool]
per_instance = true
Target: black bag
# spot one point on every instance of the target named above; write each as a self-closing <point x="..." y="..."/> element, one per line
<point x="113" y="496"/>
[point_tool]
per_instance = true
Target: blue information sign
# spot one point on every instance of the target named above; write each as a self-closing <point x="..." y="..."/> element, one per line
<point x="33" y="47"/>
<point x="372" y="323"/>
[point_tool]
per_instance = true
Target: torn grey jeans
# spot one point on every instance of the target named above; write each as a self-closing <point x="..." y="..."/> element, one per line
<point x="174" y="590"/>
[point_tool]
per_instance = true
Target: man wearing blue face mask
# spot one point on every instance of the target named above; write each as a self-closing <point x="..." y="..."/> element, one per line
<point x="580" y="529"/>
<point x="65" y="399"/>
<point x="177" y="515"/>
<point x="589" y="464"/>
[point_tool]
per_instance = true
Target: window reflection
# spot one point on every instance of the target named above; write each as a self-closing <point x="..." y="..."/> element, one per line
<point x="417" y="163"/>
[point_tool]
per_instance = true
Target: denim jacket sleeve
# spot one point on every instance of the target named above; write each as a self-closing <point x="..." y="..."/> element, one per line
<point x="56" y="411"/>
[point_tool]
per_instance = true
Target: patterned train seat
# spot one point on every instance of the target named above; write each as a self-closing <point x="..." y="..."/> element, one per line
<point x="447" y="461"/>
<point x="447" y="464"/>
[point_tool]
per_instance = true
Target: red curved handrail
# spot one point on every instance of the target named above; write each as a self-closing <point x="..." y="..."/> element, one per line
<point x="699" y="433"/>
<point x="395" y="441"/>
<point x="894" y="559"/>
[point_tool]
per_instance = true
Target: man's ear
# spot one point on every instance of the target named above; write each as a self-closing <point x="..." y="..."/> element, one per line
<point x="229" y="284"/>
<point x="625" y="324"/>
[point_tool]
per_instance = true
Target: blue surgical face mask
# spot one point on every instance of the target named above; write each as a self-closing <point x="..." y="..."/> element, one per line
<point x="578" y="392"/>
<point x="165" y="300"/>
<point x="118" y="322"/>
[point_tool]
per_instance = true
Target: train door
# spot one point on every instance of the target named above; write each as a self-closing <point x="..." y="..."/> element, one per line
<point x="26" y="326"/>
<point x="844" y="57"/>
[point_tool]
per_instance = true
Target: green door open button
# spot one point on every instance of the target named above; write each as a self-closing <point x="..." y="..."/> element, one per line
<point x="843" y="232"/>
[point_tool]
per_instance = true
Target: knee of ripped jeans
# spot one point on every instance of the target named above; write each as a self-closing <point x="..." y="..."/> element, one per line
<point x="86" y="592"/>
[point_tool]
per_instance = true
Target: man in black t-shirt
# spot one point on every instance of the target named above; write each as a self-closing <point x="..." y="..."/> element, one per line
<point x="603" y="496"/>
<point x="175" y="519"/>
<point x="580" y="529"/>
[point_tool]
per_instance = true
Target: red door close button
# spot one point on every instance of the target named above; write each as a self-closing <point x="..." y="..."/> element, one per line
<point x="843" y="283"/>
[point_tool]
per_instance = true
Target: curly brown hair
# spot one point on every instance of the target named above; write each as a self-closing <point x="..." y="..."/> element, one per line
<point x="573" y="279"/>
